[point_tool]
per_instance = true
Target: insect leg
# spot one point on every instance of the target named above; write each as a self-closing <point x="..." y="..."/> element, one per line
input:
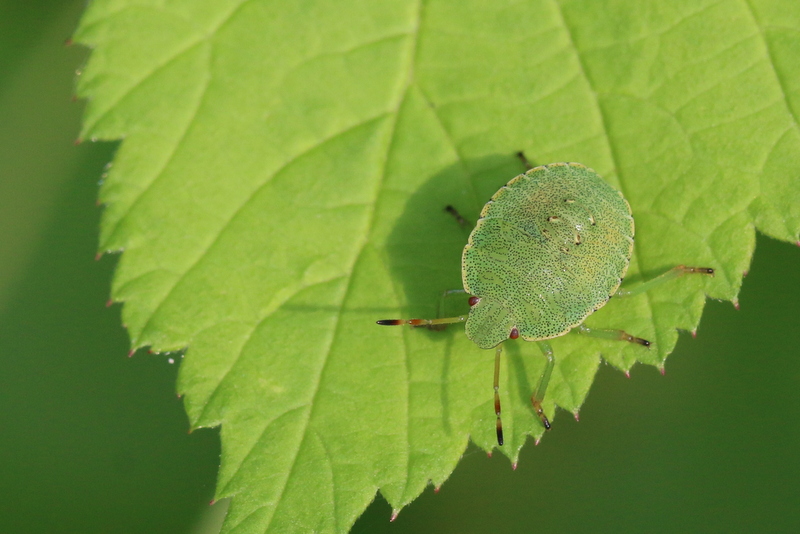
<point x="499" y="424"/>
<point x="462" y="222"/>
<point x="524" y="160"/>
<point x="675" y="272"/>
<point x="618" y="335"/>
<point x="541" y="388"/>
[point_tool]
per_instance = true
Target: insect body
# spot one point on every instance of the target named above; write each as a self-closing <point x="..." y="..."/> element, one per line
<point x="551" y="247"/>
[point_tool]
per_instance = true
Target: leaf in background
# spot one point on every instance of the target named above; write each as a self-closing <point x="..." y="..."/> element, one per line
<point x="281" y="183"/>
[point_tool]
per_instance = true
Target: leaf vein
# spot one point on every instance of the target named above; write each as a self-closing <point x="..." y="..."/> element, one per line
<point x="226" y="225"/>
<point x="607" y="135"/>
<point x="771" y="58"/>
<point x="173" y="152"/>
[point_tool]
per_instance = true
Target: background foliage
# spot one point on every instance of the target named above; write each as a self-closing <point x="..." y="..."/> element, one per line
<point x="581" y="495"/>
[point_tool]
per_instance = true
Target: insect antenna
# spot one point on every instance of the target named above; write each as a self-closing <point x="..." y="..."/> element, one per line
<point x="439" y="321"/>
<point x="422" y="322"/>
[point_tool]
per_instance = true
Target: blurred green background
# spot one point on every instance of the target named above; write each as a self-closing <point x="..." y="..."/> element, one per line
<point x="94" y="442"/>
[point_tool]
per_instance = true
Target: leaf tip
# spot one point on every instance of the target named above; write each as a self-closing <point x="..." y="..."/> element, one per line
<point x="514" y="466"/>
<point x="68" y="41"/>
<point x="662" y="370"/>
<point x="131" y="353"/>
<point x="98" y="256"/>
<point x="694" y="333"/>
<point x="489" y="454"/>
<point x="736" y="304"/>
<point x="577" y="416"/>
<point x="627" y="373"/>
<point x="109" y="302"/>
<point x="394" y="515"/>
<point x="536" y="442"/>
<point x="436" y="489"/>
<point x="212" y="502"/>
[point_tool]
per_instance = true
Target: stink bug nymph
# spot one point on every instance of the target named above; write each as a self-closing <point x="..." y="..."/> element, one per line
<point x="550" y="248"/>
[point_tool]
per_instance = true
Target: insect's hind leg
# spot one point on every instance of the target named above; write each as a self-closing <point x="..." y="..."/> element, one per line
<point x="675" y="272"/>
<point x="541" y="387"/>
<point x="617" y="335"/>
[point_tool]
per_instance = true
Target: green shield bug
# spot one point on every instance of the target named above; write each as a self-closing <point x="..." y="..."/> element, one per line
<point x="551" y="247"/>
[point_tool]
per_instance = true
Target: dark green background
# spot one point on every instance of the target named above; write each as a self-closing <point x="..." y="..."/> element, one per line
<point x="94" y="442"/>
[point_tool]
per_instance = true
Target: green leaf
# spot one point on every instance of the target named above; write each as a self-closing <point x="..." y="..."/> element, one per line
<point x="281" y="182"/>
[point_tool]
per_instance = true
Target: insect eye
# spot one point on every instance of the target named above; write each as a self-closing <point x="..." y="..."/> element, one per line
<point x="473" y="301"/>
<point x="514" y="333"/>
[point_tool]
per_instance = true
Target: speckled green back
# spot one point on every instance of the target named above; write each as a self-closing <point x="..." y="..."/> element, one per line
<point x="550" y="248"/>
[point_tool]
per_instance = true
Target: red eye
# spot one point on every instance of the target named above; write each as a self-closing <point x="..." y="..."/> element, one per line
<point x="514" y="333"/>
<point x="473" y="301"/>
